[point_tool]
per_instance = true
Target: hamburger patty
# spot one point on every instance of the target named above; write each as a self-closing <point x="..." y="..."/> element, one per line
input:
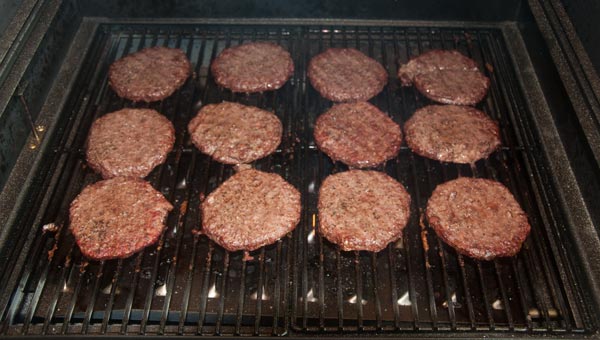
<point x="233" y="133"/>
<point x="149" y="75"/>
<point x="478" y="217"/>
<point x="253" y="67"/>
<point x="447" y="77"/>
<point x="358" y="134"/>
<point x="450" y="133"/>
<point x="362" y="210"/>
<point x="346" y="74"/>
<point x="129" y="142"/>
<point x="117" y="217"/>
<point x="250" y="210"/>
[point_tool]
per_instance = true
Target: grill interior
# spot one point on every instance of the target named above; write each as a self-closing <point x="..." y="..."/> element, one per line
<point x="302" y="285"/>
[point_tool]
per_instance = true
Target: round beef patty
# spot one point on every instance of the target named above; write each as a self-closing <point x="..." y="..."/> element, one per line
<point x="253" y="67"/>
<point x="250" y="210"/>
<point x="233" y="133"/>
<point x="447" y="77"/>
<point x="117" y="217"/>
<point x="450" y="133"/>
<point x="358" y="134"/>
<point x="149" y="75"/>
<point x="362" y="210"/>
<point x="346" y="74"/>
<point x="478" y="217"/>
<point x="129" y="142"/>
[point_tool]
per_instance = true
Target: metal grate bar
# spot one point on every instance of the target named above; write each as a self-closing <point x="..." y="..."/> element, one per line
<point x="359" y="292"/>
<point x="181" y="203"/>
<point x="559" y="298"/>
<point x="187" y="182"/>
<point x="495" y="109"/>
<point x="90" y="307"/>
<point x="506" y="138"/>
<point x="528" y="208"/>
<point x="321" y="289"/>
<point x="467" y="292"/>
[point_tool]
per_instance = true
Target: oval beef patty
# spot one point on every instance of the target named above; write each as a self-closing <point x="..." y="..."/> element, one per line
<point x="250" y="210"/>
<point x="358" y="134"/>
<point x="346" y="75"/>
<point x="447" y="77"/>
<point x="129" y="142"/>
<point x="478" y="217"/>
<point x="233" y="133"/>
<point x="149" y="75"/>
<point x="117" y="217"/>
<point x="450" y="133"/>
<point x="362" y="210"/>
<point x="253" y="67"/>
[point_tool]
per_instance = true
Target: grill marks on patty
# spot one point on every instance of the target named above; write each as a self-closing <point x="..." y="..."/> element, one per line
<point x="450" y="133"/>
<point x="480" y="218"/>
<point x="358" y="134"/>
<point x="447" y="77"/>
<point x="149" y="75"/>
<point x="233" y="133"/>
<point x="358" y="210"/>
<point x="362" y="210"/>
<point x="253" y="67"/>
<point x="346" y="75"/>
<point x="250" y="210"/>
<point x="129" y="142"/>
<point x="117" y="217"/>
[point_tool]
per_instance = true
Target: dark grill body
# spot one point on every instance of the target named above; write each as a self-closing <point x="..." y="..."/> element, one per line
<point x="302" y="286"/>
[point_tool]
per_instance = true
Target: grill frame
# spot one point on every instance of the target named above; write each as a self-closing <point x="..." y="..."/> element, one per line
<point x="309" y="23"/>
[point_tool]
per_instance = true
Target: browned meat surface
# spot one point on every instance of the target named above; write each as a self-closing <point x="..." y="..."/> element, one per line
<point x="149" y="75"/>
<point x="233" y="133"/>
<point x="129" y="142"/>
<point x="117" y="217"/>
<point x="250" y="210"/>
<point x="447" y="77"/>
<point x="480" y="218"/>
<point x="450" y="133"/>
<point x="362" y="210"/>
<point x="253" y="67"/>
<point x="346" y="75"/>
<point x="358" y="134"/>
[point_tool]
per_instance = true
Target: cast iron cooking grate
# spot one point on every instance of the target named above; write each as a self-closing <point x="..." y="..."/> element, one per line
<point x="301" y="285"/>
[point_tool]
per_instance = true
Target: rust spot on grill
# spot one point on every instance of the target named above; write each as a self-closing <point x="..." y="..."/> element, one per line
<point x="183" y="208"/>
<point x="423" y="233"/>
<point x="51" y="252"/>
<point x="247" y="256"/>
<point x="50" y="227"/>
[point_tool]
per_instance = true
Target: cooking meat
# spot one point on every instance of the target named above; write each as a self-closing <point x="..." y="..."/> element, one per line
<point x="362" y="210"/>
<point x="233" y="133"/>
<point x="250" y="210"/>
<point x="451" y="133"/>
<point x="478" y="217"/>
<point x="149" y="75"/>
<point x="253" y="67"/>
<point x="129" y="142"/>
<point x="346" y="75"/>
<point x="358" y="134"/>
<point x="446" y="77"/>
<point x="117" y="217"/>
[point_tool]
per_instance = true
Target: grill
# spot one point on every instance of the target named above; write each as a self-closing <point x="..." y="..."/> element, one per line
<point x="54" y="58"/>
<point x="302" y="285"/>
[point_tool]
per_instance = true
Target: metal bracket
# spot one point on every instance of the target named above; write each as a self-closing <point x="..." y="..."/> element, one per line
<point x="37" y="131"/>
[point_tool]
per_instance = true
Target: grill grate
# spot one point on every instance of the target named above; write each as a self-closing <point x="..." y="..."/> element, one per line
<point x="302" y="284"/>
